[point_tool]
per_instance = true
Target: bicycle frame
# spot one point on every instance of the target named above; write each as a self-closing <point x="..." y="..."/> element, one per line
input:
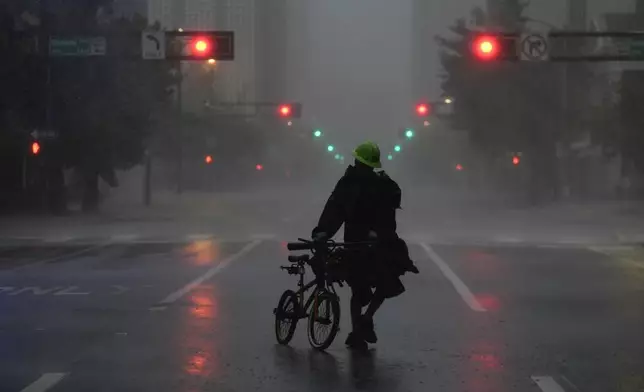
<point x="321" y="285"/>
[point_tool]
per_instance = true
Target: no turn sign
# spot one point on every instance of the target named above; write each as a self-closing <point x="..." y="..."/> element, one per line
<point x="534" y="47"/>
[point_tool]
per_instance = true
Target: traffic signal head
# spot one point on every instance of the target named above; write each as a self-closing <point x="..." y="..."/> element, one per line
<point x="409" y="133"/>
<point x="317" y="133"/>
<point x="193" y="45"/>
<point x="285" y="110"/>
<point x="516" y="160"/>
<point x="35" y="148"/>
<point x="259" y="167"/>
<point x="290" y="110"/>
<point x="486" y="47"/>
<point x="202" y="45"/>
<point x="459" y="167"/>
<point x="208" y="159"/>
<point x="330" y="148"/>
<point x="337" y="156"/>
<point x="491" y="47"/>
<point x="397" y="148"/>
<point x="422" y="109"/>
<point x="390" y="157"/>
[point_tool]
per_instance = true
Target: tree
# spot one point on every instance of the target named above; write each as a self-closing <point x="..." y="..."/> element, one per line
<point x="506" y="107"/>
<point x="103" y="107"/>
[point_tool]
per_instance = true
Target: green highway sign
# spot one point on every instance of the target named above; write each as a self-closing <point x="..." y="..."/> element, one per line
<point x="77" y="46"/>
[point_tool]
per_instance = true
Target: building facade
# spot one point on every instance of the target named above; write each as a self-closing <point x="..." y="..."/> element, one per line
<point x="422" y="57"/>
<point x="170" y="14"/>
<point x="271" y="37"/>
<point x="129" y="8"/>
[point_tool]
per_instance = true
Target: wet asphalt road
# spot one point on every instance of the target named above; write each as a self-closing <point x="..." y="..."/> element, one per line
<point x="196" y="315"/>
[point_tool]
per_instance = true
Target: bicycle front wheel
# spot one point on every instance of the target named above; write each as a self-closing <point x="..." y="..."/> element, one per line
<point x="286" y="316"/>
<point x="324" y="321"/>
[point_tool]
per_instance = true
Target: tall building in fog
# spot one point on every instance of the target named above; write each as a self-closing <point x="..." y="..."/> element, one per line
<point x="129" y="8"/>
<point x="422" y="59"/>
<point x="199" y="14"/>
<point x="271" y="38"/>
<point x="169" y="13"/>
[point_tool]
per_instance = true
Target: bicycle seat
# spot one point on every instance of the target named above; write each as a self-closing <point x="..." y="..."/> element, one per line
<point x="299" y="259"/>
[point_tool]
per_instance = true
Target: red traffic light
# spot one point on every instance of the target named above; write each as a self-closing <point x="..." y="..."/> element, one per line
<point x="486" y="47"/>
<point x="422" y="109"/>
<point x="259" y="167"/>
<point x="285" y="110"/>
<point x="208" y="159"/>
<point x="459" y="167"/>
<point x="516" y="160"/>
<point x="202" y="46"/>
<point x="35" y="148"/>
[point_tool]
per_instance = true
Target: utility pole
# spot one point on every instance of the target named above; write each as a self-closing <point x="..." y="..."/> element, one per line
<point x="576" y="21"/>
<point x="179" y="125"/>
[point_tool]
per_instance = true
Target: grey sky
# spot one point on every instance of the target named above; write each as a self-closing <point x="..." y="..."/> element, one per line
<point x="359" y="83"/>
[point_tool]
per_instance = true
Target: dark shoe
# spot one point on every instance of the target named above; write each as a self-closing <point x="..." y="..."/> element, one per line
<point x="355" y="342"/>
<point x="368" y="332"/>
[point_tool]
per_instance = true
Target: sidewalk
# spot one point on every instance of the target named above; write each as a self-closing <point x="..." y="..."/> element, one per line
<point x="191" y="214"/>
<point x="446" y="217"/>
<point x="426" y="216"/>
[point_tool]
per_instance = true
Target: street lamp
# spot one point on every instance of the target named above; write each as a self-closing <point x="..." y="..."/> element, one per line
<point x="448" y="100"/>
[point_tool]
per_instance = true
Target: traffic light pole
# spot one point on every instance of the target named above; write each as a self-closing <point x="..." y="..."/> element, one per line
<point x="179" y="129"/>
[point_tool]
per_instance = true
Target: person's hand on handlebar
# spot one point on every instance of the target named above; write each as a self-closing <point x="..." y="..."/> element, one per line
<point x="320" y="236"/>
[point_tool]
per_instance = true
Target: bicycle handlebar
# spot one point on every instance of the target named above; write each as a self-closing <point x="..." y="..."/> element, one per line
<point x="308" y="244"/>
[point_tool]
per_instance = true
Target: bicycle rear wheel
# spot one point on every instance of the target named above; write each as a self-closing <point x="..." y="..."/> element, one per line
<point x="324" y="321"/>
<point x="286" y="317"/>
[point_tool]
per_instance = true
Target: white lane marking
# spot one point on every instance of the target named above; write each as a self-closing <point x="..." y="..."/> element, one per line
<point x="199" y="237"/>
<point x="54" y="259"/>
<point x="262" y="236"/>
<point x="71" y="290"/>
<point x="458" y="284"/>
<point x="173" y="297"/>
<point x="118" y="289"/>
<point x="124" y="237"/>
<point x="62" y="238"/>
<point x="570" y="384"/>
<point x="45" y="382"/>
<point x="547" y="384"/>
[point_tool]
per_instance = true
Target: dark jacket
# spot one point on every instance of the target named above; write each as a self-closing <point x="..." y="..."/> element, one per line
<point x="364" y="201"/>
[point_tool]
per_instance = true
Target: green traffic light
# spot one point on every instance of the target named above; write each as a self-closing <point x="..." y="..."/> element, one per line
<point x="397" y="148"/>
<point x="337" y="156"/>
<point x="330" y="148"/>
<point x="409" y="133"/>
<point x="317" y="133"/>
<point x="390" y="157"/>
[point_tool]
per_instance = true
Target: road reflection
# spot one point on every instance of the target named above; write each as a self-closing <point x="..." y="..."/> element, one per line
<point x="203" y="252"/>
<point x="484" y="370"/>
<point x="347" y="370"/>
<point x="198" y="334"/>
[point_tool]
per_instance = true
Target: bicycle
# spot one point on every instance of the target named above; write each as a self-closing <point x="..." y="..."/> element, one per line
<point x="324" y="300"/>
